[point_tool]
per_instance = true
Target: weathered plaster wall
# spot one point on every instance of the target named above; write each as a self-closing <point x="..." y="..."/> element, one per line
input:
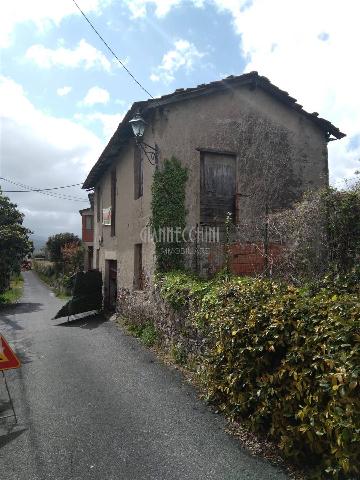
<point x="131" y="217"/>
<point x="271" y="141"/>
<point x="238" y="121"/>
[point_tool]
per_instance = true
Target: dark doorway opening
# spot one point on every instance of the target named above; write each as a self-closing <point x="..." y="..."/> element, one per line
<point x="138" y="268"/>
<point x="90" y="258"/>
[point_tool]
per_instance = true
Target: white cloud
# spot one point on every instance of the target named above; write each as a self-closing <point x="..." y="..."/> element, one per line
<point x="184" y="55"/>
<point x="109" y="121"/>
<point x="95" y="95"/>
<point x="309" y="49"/>
<point x="44" y="14"/>
<point x="41" y="150"/>
<point x="139" y="8"/>
<point x="63" y="91"/>
<point x="83" y="55"/>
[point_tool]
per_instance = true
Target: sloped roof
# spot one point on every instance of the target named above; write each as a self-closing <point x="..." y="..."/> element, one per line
<point x="253" y="79"/>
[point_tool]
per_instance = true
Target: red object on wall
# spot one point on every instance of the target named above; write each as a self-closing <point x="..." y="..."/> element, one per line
<point x="249" y="259"/>
<point x="88" y="228"/>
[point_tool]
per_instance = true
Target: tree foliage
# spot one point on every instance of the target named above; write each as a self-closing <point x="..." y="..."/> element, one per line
<point x="14" y="240"/>
<point x="321" y="233"/>
<point x="56" y="243"/>
<point x="73" y="256"/>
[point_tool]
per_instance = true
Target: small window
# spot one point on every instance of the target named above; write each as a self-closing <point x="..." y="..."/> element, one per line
<point x="138" y="173"/>
<point x="88" y="222"/>
<point x="98" y="204"/>
<point x="138" y="269"/>
<point x="113" y="202"/>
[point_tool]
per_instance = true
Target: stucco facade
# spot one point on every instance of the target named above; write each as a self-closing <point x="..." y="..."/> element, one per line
<point x="273" y="143"/>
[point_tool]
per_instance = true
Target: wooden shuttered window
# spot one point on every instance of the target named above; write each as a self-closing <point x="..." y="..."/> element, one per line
<point x="217" y="187"/>
<point x="138" y="172"/>
<point x="113" y="202"/>
<point x="98" y="204"/>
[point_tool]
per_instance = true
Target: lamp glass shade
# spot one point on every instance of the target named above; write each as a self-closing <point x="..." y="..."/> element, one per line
<point x="138" y="125"/>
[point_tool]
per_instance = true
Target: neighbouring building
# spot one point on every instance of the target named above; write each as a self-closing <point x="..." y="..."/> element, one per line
<point x="87" y="233"/>
<point x="247" y="146"/>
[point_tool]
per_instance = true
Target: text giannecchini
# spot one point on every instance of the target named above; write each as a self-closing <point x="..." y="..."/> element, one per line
<point x="180" y="235"/>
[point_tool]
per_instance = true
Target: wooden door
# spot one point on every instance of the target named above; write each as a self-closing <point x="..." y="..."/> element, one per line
<point x="217" y="187"/>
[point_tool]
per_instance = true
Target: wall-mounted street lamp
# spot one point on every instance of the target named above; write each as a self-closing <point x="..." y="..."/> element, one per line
<point x="138" y="125"/>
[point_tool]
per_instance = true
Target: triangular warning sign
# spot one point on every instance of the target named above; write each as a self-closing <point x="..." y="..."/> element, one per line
<point x="8" y="359"/>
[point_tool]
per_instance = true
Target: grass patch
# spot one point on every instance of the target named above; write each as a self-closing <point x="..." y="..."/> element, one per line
<point x="146" y="333"/>
<point x="13" y="294"/>
<point x="62" y="296"/>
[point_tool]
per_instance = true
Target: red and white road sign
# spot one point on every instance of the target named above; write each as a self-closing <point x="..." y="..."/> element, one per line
<point x="8" y="359"/>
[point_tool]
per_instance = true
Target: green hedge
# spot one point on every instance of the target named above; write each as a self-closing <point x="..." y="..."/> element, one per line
<point x="48" y="273"/>
<point x="284" y="360"/>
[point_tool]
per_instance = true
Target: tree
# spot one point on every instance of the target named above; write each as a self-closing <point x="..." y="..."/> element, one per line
<point x="14" y="241"/>
<point x="56" y="242"/>
<point x="321" y="233"/>
<point x="73" y="257"/>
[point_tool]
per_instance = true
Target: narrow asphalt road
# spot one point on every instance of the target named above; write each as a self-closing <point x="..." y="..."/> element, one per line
<point x="94" y="404"/>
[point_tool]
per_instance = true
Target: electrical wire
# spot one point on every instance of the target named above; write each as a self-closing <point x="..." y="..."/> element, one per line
<point x="111" y="50"/>
<point x="41" y="191"/>
<point x="32" y="189"/>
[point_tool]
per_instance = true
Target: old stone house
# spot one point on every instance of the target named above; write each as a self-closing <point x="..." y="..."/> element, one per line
<point x="247" y="146"/>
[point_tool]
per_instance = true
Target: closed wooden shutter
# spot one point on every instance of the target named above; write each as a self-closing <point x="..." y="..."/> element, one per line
<point x="138" y="173"/>
<point x="217" y="187"/>
<point x="113" y="202"/>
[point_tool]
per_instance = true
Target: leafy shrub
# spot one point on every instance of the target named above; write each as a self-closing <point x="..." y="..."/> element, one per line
<point x="178" y="288"/>
<point x="178" y="353"/>
<point x="145" y="332"/>
<point x="321" y="233"/>
<point x="285" y="360"/>
<point x="49" y="274"/>
<point x="148" y="335"/>
<point x="45" y="268"/>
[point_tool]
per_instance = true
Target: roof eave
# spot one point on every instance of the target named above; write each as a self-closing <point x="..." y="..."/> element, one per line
<point x="123" y="131"/>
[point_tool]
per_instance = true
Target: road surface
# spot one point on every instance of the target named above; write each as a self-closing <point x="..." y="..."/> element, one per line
<point x="95" y="404"/>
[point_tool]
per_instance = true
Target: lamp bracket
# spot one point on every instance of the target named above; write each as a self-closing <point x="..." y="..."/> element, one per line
<point x="151" y="153"/>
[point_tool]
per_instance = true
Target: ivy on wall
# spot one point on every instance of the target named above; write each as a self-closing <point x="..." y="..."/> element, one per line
<point x="169" y="214"/>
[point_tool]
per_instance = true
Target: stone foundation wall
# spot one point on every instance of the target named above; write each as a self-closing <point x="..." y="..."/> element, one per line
<point x="174" y="327"/>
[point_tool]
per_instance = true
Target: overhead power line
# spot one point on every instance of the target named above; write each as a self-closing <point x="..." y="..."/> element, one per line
<point x="41" y="189"/>
<point x="29" y="189"/>
<point x="111" y="50"/>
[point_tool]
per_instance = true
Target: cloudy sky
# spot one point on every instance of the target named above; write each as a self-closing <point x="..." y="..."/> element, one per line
<point x="62" y="94"/>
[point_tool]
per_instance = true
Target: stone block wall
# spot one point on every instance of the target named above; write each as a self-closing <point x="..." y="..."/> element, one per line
<point x="141" y="307"/>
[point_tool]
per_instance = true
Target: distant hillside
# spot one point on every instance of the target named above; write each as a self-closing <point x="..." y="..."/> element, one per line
<point x="38" y="241"/>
